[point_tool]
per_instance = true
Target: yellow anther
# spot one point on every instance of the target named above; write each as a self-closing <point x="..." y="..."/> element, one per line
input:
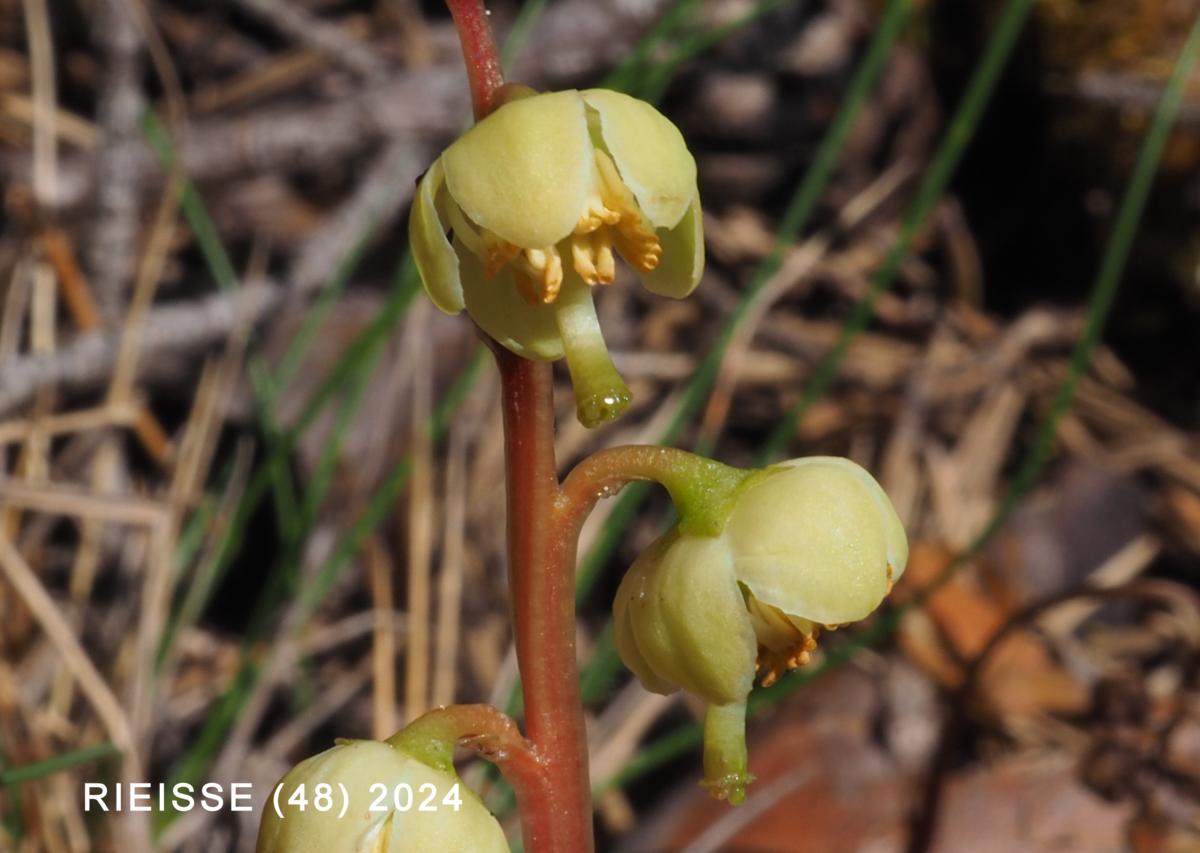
<point x="592" y="256"/>
<point x="771" y="664"/>
<point x="637" y="245"/>
<point x="635" y="238"/>
<point x="596" y="215"/>
<point x="497" y="253"/>
<point x="581" y="258"/>
<point x="605" y="263"/>
<point x="784" y="641"/>
<point x="539" y="274"/>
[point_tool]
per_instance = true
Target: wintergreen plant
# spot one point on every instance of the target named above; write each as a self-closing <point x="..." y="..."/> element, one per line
<point x="516" y="222"/>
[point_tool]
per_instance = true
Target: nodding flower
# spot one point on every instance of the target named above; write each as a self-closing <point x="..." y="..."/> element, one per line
<point x="520" y="217"/>
<point x="807" y="544"/>
<point x="394" y="803"/>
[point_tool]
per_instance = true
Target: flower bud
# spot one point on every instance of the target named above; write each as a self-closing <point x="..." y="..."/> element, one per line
<point x="383" y="789"/>
<point x="537" y="198"/>
<point x="808" y="543"/>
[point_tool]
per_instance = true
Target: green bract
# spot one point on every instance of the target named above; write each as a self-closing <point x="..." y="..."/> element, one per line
<point x="522" y="215"/>
<point x="810" y="542"/>
<point x="383" y="789"/>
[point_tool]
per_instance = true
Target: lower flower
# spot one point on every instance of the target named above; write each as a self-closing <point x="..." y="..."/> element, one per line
<point x="809" y="543"/>
<point x="393" y="803"/>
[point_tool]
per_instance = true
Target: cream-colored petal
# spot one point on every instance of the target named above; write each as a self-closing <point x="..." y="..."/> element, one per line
<point x="436" y="259"/>
<point x="359" y="768"/>
<point x="811" y="541"/>
<point x="497" y="306"/>
<point x="632" y="588"/>
<point x="524" y="172"/>
<point x="895" y="537"/>
<point x="705" y="614"/>
<point x="682" y="263"/>
<point x="681" y="616"/>
<point x="643" y="608"/>
<point x="650" y="154"/>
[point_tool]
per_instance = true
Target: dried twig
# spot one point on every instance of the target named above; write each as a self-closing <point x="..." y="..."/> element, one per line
<point x="383" y="649"/>
<point x="330" y="39"/>
<point x="428" y="104"/>
<point x="421" y="105"/>
<point x="91" y="682"/>
<point x="112" y="252"/>
<point x="380" y="197"/>
<point x="173" y="329"/>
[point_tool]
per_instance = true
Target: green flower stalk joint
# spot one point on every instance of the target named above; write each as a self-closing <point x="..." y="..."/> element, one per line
<point x="806" y="544"/>
<point x="536" y="199"/>
<point x="383" y="787"/>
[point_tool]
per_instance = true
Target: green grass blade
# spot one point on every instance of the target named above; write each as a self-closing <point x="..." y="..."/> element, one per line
<point x="603" y="667"/>
<point x="194" y="763"/>
<point x="360" y="350"/>
<point x="315" y="317"/>
<point x="57" y="764"/>
<point x="626" y="75"/>
<point x="387" y="495"/>
<point x="659" y="77"/>
<point x="522" y="29"/>
<point x="198" y="219"/>
<point x="954" y="143"/>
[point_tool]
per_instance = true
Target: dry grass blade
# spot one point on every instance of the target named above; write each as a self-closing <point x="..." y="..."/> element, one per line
<point x="383" y="648"/>
<point x="450" y="574"/>
<point x="105" y="703"/>
<point x="419" y="523"/>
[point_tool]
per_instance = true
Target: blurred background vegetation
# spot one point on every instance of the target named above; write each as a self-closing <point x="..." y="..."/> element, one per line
<point x="250" y="498"/>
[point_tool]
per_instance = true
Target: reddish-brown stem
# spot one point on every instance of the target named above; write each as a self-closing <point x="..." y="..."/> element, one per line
<point x="556" y="810"/>
<point x="479" y="53"/>
<point x="541" y="555"/>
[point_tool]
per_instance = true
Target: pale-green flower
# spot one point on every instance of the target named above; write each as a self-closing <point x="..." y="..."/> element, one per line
<point x="523" y="214"/>
<point x="808" y="543"/>
<point x="383" y="789"/>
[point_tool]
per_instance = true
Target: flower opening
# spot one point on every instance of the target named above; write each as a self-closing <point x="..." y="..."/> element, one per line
<point x="527" y="211"/>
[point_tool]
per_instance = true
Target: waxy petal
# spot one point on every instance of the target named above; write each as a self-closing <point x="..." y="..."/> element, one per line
<point x="894" y="537"/>
<point x="811" y="540"/>
<point x="360" y="768"/>
<point x="633" y="588"/>
<point x="497" y="306"/>
<point x="524" y="172"/>
<point x="650" y="154"/>
<point x="688" y="619"/>
<point x="436" y="259"/>
<point x="682" y="264"/>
